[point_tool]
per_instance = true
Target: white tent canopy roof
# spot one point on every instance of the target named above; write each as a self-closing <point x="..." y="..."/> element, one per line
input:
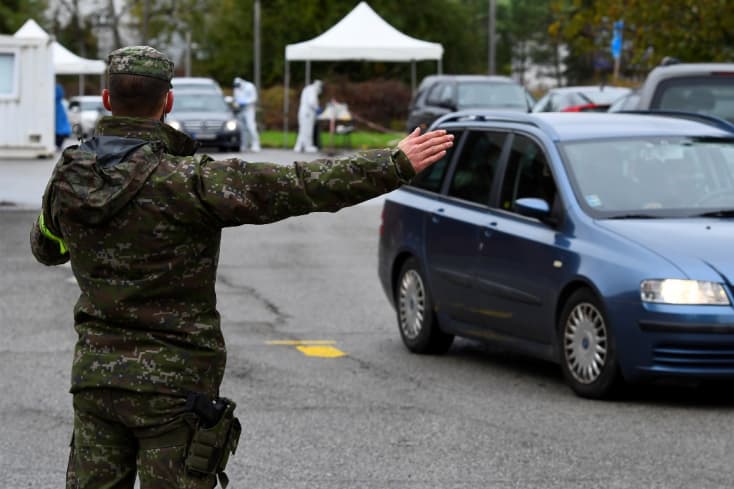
<point x="363" y="35"/>
<point x="65" y="62"/>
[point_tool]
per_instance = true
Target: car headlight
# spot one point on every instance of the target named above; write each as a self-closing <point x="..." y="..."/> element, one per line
<point x="676" y="291"/>
<point x="231" y="125"/>
<point x="175" y="124"/>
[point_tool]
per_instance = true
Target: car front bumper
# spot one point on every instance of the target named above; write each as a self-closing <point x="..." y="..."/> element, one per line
<point x="662" y="340"/>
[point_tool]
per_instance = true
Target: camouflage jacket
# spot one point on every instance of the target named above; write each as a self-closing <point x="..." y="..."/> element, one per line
<point x="141" y="216"/>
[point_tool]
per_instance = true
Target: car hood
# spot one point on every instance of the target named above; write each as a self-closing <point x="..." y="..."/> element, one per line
<point x="700" y="247"/>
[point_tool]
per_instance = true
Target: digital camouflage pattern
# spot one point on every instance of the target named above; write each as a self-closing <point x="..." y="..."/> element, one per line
<point x="142" y="216"/>
<point x="140" y="60"/>
<point x="118" y="434"/>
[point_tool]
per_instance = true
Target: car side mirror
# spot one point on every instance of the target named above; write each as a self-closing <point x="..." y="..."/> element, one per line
<point x="533" y="207"/>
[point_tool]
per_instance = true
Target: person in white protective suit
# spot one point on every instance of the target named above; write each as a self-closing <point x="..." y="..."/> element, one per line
<point x="245" y="96"/>
<point x="307" y="110"/>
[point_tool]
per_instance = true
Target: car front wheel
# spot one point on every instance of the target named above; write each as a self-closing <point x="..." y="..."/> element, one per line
<point x="416" y="319"/>
<point x="588" y="349"/>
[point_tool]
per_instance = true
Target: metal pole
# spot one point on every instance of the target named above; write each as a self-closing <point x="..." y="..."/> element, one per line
<point x="188" y="53"/>
<point x="285" y="104"/>
<point x="412" y="77"/>
<point x="256" y="67"/>
<point x="308" y="72"/>
<point x="491" y="47"/>
<point x="146" y="15"/>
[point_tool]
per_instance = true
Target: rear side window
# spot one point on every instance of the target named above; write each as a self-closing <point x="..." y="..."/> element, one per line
<point x="440" y="93"/>
<point x="431" y="178"/>
<point x="527" y="175"/>
<point x="713" y="95"/>
<point x="477" y="166"/>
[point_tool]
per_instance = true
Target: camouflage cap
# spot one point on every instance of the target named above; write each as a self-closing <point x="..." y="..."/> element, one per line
<point x="140" y="60"/>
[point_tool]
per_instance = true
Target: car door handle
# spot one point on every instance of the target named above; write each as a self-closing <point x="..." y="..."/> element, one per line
<point x="436" y="214"/>
<point x="488" y="231"/>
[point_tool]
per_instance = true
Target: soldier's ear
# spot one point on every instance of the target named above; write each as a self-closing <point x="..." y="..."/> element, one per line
<point x="169" y="101"/>
<point x="106" y="99"/>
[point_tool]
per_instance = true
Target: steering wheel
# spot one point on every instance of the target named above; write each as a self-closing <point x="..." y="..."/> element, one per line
<point x="713" y="196"/>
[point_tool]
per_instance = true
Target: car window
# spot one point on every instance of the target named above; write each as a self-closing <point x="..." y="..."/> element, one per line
<point x="543" y="105"/>
<point x="432" y="177"/>
<point x="527" y="174"/>
<point x="441" y="92"/>
<point x="706" y="95"/>
<point x="476" y="166"/>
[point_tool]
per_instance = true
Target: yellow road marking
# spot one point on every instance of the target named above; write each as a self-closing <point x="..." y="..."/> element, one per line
<point x="312" y="348"/>
<point x="300" y="342"/>
<point x="321" y="351"/>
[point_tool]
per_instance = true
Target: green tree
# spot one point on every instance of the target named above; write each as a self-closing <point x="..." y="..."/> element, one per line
<point x="690" y="30"/>
<point x="13" y="13"/>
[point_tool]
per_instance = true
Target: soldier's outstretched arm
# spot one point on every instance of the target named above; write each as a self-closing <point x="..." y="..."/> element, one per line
<point x="237" y="192"/>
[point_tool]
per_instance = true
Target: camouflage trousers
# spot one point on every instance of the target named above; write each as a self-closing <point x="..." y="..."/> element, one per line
<point x="120" y="434"/>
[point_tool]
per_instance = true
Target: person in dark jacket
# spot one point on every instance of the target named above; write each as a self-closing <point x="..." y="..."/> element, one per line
<point x="63" y="128"/>
<point x="139" y="214"/>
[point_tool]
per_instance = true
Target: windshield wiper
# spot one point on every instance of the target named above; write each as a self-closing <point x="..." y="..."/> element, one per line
<point x="719" y="213"/>
<point x="634" y="216"/>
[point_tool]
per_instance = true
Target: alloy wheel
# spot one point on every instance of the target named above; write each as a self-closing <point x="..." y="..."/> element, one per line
<point x="585" y="343"/>
<point x="411" y="304"/>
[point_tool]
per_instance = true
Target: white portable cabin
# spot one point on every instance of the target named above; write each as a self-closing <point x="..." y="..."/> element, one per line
<point x="27" y="98"/>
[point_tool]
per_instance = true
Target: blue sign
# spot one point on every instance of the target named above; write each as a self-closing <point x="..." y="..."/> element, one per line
<point x="617" y="39"/>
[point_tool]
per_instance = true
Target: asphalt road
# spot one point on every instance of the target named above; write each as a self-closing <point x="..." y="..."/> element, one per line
<point x="376" y="417"/>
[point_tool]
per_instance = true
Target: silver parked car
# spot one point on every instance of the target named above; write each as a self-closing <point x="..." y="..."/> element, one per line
<point x="704" y="88"/>
<point x="84" y="112"/>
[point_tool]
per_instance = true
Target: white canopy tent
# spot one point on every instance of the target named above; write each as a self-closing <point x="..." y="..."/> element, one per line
<point x="65" y="62"/>
<point x="364" y="36"/>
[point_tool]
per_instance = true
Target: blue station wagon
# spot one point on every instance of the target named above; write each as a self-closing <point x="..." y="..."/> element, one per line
<point x="599" y="241"/>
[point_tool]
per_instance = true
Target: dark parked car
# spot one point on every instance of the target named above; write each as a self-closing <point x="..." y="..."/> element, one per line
<point x="438" y="95"/>
<point x="596" y="98"/>
<point x="598" y="241"/>
<point x="205" y="116"/>
<point x="705" y="88"/>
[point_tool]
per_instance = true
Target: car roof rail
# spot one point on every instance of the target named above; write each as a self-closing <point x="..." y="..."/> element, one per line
<point x="490" y="115"/>
<point x="709" y="119"/>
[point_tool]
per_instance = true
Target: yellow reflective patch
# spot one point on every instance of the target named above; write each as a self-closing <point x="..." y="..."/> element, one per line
<point x="44" y="230"/>
<point x="322" y="351"/>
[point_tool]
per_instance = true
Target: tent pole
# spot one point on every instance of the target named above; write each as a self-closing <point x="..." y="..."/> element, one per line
<point x="308" y="72"/>
<point x="440" y="66"/>
<point x="412" y="77"/>
<point x="285" y="104"/>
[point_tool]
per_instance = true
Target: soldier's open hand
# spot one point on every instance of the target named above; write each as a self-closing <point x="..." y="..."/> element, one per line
<point x="425" y="149"/>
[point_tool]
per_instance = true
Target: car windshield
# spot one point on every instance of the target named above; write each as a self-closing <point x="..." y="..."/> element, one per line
<point x="195" y="86"/>
<point x="91" y="104"/>
<point x="656" y="177"/>
<point x="625" y="102"/>
<point x="712" y="95"/>
<point x="605" y="96"/>
<point x="495" y="95"/>
<point x="199" y="102"/>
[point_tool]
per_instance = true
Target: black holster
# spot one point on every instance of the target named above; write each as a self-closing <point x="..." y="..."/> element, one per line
<point x="216" y="435"/>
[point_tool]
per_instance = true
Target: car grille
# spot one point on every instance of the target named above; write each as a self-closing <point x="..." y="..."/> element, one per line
<point x="203" y="126"/>
<point x="699" y="357"/>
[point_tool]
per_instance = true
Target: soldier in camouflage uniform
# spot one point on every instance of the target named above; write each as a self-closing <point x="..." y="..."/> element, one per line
<point x="139" y="215"/>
